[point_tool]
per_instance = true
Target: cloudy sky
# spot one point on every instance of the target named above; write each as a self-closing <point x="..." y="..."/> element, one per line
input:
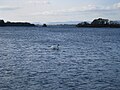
<point x="58" y="10"/>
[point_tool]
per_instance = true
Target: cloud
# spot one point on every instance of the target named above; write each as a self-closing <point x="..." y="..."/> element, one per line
<point x="8" y="8"/>
<point x="117" y="5"/>
<point x="39" y="2"/>
<point x="76" y="10"/>
<point x="46" y="2"/>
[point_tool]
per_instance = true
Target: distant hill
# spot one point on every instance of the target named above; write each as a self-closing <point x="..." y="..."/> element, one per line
<point x="67" y="22"/>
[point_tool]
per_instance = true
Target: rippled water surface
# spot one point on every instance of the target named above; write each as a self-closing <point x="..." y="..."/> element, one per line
<point x="88" y="59"/>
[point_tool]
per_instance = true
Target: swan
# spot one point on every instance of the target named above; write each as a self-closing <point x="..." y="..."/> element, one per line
<point x="55" y="47"/>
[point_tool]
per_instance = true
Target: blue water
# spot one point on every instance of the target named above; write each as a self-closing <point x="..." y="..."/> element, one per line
<point x="88" y="58"/>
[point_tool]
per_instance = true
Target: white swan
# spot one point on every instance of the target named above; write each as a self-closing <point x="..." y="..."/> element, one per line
<point x="55" y="47"/>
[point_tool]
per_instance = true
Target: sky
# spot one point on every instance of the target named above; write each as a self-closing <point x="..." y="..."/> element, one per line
<point x="58" y="10"/>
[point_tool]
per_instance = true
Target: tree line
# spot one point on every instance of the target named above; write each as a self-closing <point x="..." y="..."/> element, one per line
<point x="3" y="23"/>
<point x="100" y="23"/>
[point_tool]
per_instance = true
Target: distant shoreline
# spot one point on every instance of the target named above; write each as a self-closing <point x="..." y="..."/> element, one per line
<point x="96" y="23"/>
<point x="100" y="23"/>
<point x="15" y="24"/>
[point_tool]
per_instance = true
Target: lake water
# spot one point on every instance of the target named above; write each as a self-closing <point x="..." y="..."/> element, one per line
<point x="88" y="58"/>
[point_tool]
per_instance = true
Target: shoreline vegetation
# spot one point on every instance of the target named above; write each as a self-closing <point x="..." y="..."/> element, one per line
<point x="3" y="23"/>
<point x="96" y="23"/>
<point x="99" y="23"/>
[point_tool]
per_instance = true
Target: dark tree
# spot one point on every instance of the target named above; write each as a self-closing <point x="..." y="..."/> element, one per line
<point x="2" y="23"/>
<point x="83" y="24"/>
<point x="100" y="22"/>
<point x="44" y="25"/>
